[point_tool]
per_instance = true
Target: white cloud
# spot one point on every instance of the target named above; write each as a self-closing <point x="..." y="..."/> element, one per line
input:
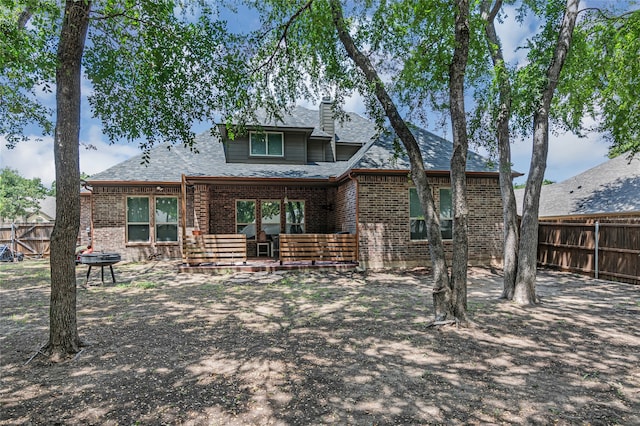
<point x="31" y="158"/>
<point x="568" y="155"/>
<point x="105" y="155"/>
<point x="355" y="103"/>
<point x="513" y="35"/>
<point x="46" y="97"/>
<point x="35" y="158"/>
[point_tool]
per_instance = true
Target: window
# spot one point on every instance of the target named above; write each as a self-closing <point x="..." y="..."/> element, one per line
<point x="270" y="217"/>
<point x="166" y="219"/>
<point x="246" y="218"/>
<point x="138" y="219"/>
<point x="446" y="214"/>
<point x="266" y="144"/>
<point x="295" y="217"/>
<point x="417" y="223"/>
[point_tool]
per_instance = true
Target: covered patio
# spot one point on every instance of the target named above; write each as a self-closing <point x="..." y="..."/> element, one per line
<point x="236" y="226"/>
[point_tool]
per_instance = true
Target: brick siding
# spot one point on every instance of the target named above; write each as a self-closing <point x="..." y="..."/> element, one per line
<point x="383" y="222"/>
<point x="376" y="206"/>
<point x="84" y="237"/>
<point x="346" y="207"/>
<point x="109" y="222"/>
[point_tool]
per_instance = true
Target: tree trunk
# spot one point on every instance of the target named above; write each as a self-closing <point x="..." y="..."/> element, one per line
<point x="457" y="71"/>
<point x="442" y="291"/>
<point x="525" y="290"/>
<point x="509" y="208"/>
<point x="63" y="332"/>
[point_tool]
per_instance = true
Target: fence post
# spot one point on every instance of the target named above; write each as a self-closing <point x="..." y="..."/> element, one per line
<point x="13" y="241"/>
<point x="597" y="245"/>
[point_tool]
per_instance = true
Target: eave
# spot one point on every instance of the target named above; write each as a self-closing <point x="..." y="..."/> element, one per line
<point x="132" y="183"/>
<point x="306" y="130"/>
<point x="263" y="181"/>
<point x="406" y="172"/>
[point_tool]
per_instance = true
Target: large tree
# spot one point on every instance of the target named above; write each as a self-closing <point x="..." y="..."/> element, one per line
<point x="500" y="123"/>
<point x="315" y="46"/>
<point x="63" y="330"/>
<point x="443" y="291"/>
<point x="19" y="196"/>
<point x="457" y="71"/>
<point x="155" y="69"/>
<point x="603" y="38"/>
<point x="528" y="248"/>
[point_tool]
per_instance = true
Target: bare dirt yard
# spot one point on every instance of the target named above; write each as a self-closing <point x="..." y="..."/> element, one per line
<point x="304" y="348"/>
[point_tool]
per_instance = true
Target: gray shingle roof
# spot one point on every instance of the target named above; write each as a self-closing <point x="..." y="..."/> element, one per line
<point x="168" y="163"/>
<point x="436" y="153"/>
<point x="48" y="206"/>
<point x="354" y="128"/>
<point x="611" y="187"/>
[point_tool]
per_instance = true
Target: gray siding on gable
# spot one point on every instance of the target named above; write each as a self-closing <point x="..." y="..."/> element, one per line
<point x="295" y="151"/>
<point x="319" y="150"/>
<point x="345" y="152"/>
<point x="315" y="151"/>
<point x="328" y="153"/>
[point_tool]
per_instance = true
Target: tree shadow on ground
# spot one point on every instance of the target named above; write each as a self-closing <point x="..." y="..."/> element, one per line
<point x="323" y="348"/>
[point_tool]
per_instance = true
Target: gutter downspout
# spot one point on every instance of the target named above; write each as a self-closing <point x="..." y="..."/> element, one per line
<point x="85" y="185"/>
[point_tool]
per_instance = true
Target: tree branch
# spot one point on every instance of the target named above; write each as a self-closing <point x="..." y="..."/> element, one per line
<point x="102" y="17"/>
<point x="604" y="15"/>
<point x="24" y="18"/>
<point x="283" y="36"/>
<point x="494" y="11"/>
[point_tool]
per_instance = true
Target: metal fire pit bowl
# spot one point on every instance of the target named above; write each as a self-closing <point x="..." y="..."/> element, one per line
<point x="101" y="260"/>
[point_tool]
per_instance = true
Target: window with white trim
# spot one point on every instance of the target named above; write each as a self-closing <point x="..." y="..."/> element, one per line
<point x="138" y="223"/>
<point x="446" y="214"/>
<point x="270" y="216"/>
<point x="166" y="219"/>
<point x="246" y="218"/>
<point x="417" y="223"/>
<point x="295" y="217"/>
<point x="266" y="144"/>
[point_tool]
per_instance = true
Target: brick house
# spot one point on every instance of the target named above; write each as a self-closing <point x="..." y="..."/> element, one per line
<point x="305" y="173"/>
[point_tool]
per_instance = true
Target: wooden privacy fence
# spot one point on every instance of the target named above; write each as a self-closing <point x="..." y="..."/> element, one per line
<point x="609" y="250"/>
<point x="218" y="248"/>
<point x="318" y="247"/>
<point x="32" y="239"/>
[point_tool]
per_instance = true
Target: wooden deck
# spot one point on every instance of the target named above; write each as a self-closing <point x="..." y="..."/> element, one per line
<point x="262" y="264"/>
<point x="225" y="253"/>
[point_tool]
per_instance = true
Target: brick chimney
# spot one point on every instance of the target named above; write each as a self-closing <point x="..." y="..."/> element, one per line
<point x="327" y="123"/>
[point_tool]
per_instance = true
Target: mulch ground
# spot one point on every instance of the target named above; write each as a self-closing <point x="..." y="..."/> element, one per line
<point x="302" y="348"/>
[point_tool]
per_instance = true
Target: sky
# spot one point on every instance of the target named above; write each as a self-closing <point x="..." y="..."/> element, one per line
<point x="568" y="156"/>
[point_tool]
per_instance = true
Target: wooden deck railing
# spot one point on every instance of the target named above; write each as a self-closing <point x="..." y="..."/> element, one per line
<point x="318" y="247"/>
<point x="218" y="248"/>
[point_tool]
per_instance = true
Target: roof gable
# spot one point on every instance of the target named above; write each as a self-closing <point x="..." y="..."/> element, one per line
<point x="167" y="163"/>
<point x="386" y="152"/>
<point x="354" y="128"/>
<point x="610" y="187"/>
